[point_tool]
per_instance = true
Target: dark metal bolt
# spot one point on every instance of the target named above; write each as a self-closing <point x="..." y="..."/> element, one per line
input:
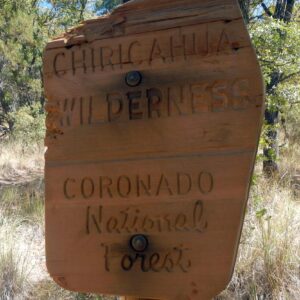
<point x="139" y="243"/>
<point x="133" y="78"/>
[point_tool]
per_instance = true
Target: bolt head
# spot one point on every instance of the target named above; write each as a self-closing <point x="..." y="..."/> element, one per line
<point x="133" y="78"/>
<point x="139" y="243"/>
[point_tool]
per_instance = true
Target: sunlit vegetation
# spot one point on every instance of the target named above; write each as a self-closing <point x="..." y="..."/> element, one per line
<point x="269" y="253"/>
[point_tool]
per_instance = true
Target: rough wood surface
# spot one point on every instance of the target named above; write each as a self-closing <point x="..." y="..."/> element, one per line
<point x="170" y="158"/>
<point x="132" y="298"/>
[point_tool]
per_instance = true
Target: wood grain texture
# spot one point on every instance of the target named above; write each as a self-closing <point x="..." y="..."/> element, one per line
<point x="132" y="298"/>
<point x="170" y="158"/>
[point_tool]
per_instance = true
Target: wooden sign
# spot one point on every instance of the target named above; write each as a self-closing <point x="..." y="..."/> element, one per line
<point x="154" y="115"/>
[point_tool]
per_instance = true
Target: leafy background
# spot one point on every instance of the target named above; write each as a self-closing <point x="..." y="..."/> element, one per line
<point x="268" y="263"/>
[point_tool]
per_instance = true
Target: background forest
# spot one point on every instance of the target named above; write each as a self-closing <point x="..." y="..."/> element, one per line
<point x="269" y="261"/>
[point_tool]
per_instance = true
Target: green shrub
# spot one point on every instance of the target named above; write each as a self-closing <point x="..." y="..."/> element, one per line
<point x="29" y="124"/>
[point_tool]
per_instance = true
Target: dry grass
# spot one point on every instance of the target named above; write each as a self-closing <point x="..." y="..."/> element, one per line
<point x="268" y="264"/>
<point x="24" y="202"/>
<point x="19" y="163"/>
<point x="23" y="272"/>
<point x="14" y="266"/>
<point x="48" y="290"/>
<point x="269" y="254"/>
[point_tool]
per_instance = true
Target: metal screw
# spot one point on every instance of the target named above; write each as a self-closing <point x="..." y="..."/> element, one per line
<point x="133" y="78"/>
<point x="139" y="243"/>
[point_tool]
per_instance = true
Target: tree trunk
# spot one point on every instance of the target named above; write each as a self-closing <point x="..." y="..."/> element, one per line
<point x="289" y="10"/>
<point x="271" y="151"/>
<point x="245" y="8"/>
<point x="271" y="119"/>
<point x="283" y="11"/>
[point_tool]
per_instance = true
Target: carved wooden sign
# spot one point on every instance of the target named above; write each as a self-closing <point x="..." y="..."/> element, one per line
<point x="154" y="115"/>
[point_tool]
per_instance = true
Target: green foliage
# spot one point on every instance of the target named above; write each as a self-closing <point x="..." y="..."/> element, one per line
<point x="278" y="46"/>
<point x="65" y="14"/>
<point x="29" y="124"/>
<point x="276" y="37"/>
<point x="106" y="5"/>
<point x="21" y="46"/>
<point x="25" y="27"/>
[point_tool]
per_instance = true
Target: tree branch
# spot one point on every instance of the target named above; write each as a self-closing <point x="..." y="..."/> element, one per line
<point x="34" y="3"/>
<point x="283" y="78"/>
<point x="289" y="10"/>
<point x="256" y="17"/>
<point x="266" y="9"/>
<point x="83" y="4"/>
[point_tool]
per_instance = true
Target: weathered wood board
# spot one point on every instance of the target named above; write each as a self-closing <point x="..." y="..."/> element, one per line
<point x="170" y="158"/>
